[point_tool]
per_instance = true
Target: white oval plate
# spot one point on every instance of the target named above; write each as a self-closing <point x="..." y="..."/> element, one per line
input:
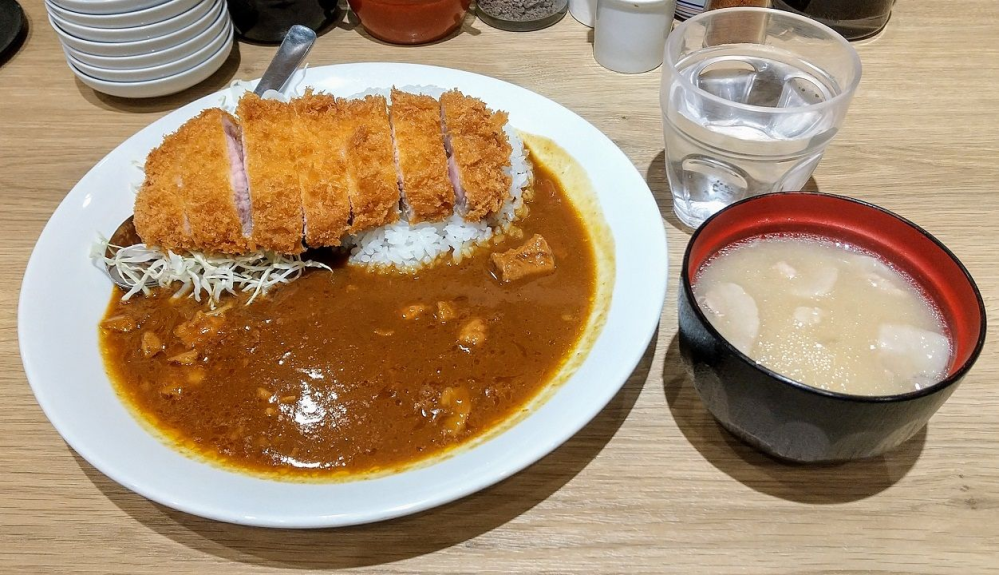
<point x="107" y="6"/>
<point x="64" y="295"/>
<point x="142" y="17"/>
<point x="163" y="85"/>
<point x="217" y="19"/>
<point x="183" y="66"/>
<point x="197" y="13"/>
<point x="159" y="58"/>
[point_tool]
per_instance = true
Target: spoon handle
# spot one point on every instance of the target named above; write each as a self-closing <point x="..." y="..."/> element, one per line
<point x="294" y="48"/>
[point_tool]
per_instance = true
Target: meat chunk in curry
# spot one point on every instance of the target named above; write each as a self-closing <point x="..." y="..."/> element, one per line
<point x="533" y="258"/>
<point x="201" y="330"/>
<point x="473" y="333"/>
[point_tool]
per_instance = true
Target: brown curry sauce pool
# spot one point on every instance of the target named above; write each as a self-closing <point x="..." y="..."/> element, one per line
<point x="356" y="371"/>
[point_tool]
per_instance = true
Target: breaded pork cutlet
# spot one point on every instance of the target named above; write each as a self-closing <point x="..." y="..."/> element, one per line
<point x="427" y="193"/>
<point x="269" y="153"/>
<point x="322" y="168"/>
<point x="216" y="200"/>
<point x="372" y="179"/>
<point x="159" y="206"/>
<point x="479" y="149"/>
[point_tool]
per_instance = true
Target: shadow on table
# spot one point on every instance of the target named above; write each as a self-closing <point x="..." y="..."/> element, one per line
<point x="217" y="81"/>
<point x="394" y="540"/>
<point x="814" y="484"/>
<point x="655" y="176"/>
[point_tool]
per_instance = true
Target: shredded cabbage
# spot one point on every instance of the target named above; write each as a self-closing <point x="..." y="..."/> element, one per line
<point x="199" y="274"/>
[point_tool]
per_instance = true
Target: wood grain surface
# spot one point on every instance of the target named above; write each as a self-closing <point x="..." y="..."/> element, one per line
<point x="652" y="485"/>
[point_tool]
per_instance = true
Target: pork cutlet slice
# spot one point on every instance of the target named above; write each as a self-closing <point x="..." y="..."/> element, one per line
<point x="322" y="135"/>
<point x="159" y="205"/>
<point x="269" y="147"/>
<point x="216" y="199"/>
<point x="478" y="150"/>
<point x="427" y="193"/>
<point x="373" y="184"/>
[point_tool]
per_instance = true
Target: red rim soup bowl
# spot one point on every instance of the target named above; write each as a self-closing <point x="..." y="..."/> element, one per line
<point x="410" y="21"/>
<point x="787" y="419"/>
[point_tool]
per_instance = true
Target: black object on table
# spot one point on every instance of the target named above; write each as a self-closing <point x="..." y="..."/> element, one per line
<point x="12" y="28"/>
<point x="267" y="21"/>
<point x="854" y="19"/>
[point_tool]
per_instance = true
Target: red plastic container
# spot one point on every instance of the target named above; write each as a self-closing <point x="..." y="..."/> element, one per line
<point x="410" y="21"/>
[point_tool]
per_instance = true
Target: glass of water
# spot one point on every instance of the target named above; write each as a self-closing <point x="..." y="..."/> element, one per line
<point x="750" y="99"/>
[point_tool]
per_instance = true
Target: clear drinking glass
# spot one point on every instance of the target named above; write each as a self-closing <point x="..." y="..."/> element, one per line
<point x="750" y="99"/>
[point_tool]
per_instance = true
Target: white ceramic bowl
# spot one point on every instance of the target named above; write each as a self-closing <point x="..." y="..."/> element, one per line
<point x="144" y="17"/>
<point x="152" y="59"/>
<point x="107" y="6"/>
<point x="160" y="86"/>
<point x="154" y="72"/>
<point x="148" y="46"/>
<point x="200" y="11"/>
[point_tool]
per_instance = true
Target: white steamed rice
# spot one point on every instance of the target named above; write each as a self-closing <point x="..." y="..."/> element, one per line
<point x="406" y="246"/>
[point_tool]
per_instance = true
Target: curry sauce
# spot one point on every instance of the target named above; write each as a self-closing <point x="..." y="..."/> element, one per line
<point x="355" y="370"/>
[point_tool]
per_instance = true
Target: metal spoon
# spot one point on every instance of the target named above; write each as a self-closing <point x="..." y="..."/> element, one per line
<point x="124" y="236"/>
<point x="294" y="48"/>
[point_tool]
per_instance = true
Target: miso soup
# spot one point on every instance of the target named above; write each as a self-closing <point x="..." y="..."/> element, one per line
<point x="825" y="314"/>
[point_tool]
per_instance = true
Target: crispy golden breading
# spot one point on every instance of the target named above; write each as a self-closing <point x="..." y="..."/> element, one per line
<point x="321" y="168"/>
<point x="269" y="137"/>
<point x="481" y="151"/>
<point x="207" y="184"/>
<point x="372" y="179"/>
<point x="426" y="187"/>
<point x="322" y="172"/>
<point x="159" y="205"/>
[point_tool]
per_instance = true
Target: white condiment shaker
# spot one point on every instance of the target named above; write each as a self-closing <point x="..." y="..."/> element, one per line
<point x="584" y="11"/>
<point x="630" y="35"/>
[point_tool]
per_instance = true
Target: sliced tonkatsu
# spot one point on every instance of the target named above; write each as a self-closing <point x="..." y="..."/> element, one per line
<point x="322" y="133"/>
<point x="373" y="184"/>
<point x="269" y="153"/>
<point x="216" y="198"/>
<point x="479" y="151"/>
<point x="159" y="206"/>
<point x="427" y="192"/>
<point x="315" y="170"/>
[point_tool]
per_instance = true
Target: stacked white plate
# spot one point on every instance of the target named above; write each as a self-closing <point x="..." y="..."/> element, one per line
<point x="142" y="48"/>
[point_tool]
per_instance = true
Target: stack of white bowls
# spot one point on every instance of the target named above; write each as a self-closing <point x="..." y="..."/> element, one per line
<point x="142" y="48"/>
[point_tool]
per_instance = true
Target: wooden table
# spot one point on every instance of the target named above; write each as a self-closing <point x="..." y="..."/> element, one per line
<point x="653" y="484"/>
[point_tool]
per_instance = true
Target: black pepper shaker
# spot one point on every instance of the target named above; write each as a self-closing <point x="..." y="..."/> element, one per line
<point x="521" y="15"/>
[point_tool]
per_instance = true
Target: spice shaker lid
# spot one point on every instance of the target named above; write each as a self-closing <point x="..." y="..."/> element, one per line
<point x="521" y="15"/>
